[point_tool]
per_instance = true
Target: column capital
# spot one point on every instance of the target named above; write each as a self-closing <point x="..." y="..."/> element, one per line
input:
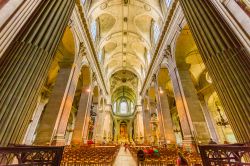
<point x="170" y="60"/>
<point x="108" y="108"/>
<point x="139" y="108"/>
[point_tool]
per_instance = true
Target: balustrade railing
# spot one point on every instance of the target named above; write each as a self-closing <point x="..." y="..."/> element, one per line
<point x="31" y="155"/>
<point x="225" y="155"/>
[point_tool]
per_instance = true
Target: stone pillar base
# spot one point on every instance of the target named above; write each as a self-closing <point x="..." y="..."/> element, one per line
<point x="58" y="141"/>
<point x="189" y="145"/>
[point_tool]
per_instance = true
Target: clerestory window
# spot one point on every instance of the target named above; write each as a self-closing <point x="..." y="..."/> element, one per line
<point x="168" y="2"/>
<point x="156" y="31"/>
<point x="93" y="29"/>
<point x="123" y="107"/>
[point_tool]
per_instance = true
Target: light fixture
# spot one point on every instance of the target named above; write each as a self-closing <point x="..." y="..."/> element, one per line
<point x="161" y="91"/>
<point x="221" y="121"/>
<point x="88" y="90"/>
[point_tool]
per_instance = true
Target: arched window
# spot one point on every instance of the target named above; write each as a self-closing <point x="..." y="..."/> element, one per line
<point x="93" y="29"/>
<point x="83" y="1"/>
<point x="148" y="57"/>
<point x="156" y="31"/>
<point x="142" y="73"/>
<point x="168" y="2"/>
<point x="100" y="56"/>
<point x="114" y="109"/>
<point x="132" y="107"/>
<point x="123" y="107"/>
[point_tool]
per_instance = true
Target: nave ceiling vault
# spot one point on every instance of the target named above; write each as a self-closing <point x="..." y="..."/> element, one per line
<point x="124" y="38"/>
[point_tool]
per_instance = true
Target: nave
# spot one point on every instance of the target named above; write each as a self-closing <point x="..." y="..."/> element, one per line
<point x="120" y="155"/>
<point x="168" y="78"/>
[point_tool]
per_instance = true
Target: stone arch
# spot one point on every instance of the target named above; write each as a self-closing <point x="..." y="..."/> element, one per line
<point x="217" y="112"/>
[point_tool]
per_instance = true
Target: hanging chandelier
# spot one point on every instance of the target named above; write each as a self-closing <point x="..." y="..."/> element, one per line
<point x="221" y="121"/>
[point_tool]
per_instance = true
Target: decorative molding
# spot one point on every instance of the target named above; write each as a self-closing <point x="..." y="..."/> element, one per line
<point x="168" y="34"/>
<point x="91" y="54"/>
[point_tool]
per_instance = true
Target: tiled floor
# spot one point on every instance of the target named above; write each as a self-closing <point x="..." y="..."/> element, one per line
<point x="124" y="158"/>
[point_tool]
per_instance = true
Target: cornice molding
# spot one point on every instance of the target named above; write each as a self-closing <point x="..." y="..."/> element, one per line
<point x="90" y="47"/>
<point x="175" y="16"/>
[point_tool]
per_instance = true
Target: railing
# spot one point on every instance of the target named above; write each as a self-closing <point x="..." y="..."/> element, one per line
<point x="31" y="155"/>
<point x="225" y="155"/>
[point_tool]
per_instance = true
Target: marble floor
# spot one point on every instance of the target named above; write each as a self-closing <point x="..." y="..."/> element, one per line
<point x="124" y="158"/>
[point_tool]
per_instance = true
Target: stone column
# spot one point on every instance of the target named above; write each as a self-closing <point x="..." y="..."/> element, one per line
<point x="116" y="132"/>
<point x="140" y="126"/>
<point x="59" y="137"/>
<point x="54" y="120"/>
<point x="226" y="60"/>
<point x="208" y="118"/>
<point x="193" y="124"/>
<point x="99" y="126"/>
<point x="201" y="132"/>
<point x="118" y="122"/>
<point x="167" y="119"/>
<point x="14" y="15"/>
<point x="107" y="121"/>
<point x="136" y="127"/>
<point x="82" y="117"/>
<point x="25" y="65"/>
<point x="98" y="116"/>
<point x="159" y="112"/>
<point x="186" y="123"/>
<point x="146" y="120"/>
<point x="29" y="138"/>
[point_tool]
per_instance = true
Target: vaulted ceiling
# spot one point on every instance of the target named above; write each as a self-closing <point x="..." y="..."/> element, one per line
<point x="125" y="36"/>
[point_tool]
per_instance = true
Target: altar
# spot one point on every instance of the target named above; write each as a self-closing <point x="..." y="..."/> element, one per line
<point x="123" y="130"/>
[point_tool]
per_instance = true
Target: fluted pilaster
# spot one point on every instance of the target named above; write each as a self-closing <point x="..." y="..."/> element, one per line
<point x="25" y="65"/>
<point x="226" y="60"/>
